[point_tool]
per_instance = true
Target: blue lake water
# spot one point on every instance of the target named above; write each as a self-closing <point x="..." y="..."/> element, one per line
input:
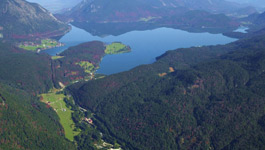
<point x="145" y="45"/>
<point x="242" y="29"/>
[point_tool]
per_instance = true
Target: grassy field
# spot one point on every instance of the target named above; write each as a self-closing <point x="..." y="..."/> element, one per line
<point x="147" y="19"/>
<point x="57" y="57"/>
<point x="89" y="67"/>
<point x="45" y="44"/>
<point x="116" y="48"/>
<point x="56" y="101"/>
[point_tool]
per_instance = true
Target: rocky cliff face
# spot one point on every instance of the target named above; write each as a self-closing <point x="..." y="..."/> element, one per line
<point x="22" y="20"/>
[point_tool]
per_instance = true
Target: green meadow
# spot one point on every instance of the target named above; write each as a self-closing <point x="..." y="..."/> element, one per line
<point x="87" y="66"/>
<point x="116" y="48"/>
<point x="57" y="57"/>
<point x="45" y="44"/>
<point x="56" y="101"/>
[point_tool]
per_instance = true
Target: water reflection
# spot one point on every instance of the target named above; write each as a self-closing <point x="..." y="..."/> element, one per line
<point x="146" y="45"/>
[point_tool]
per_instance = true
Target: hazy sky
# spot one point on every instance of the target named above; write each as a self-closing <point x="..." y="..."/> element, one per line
<point x="56" y="5"/>
<point x="257" y="3"/>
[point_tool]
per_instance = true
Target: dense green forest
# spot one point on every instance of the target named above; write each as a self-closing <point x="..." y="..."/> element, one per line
<point x="196" y="98"/>
<point x="26" y="123"/>
<point x="26" y="70"/>
<point x="24" y="76"/>
<point x="68" y="69"/>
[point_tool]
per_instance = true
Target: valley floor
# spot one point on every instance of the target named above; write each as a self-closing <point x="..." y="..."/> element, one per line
<point x="56" y="99"/>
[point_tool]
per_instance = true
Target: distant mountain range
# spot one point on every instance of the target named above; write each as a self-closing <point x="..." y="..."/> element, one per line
<point x="23" y="20"/>
<point x="100" y="6"/>
<point x="202" y="15"/>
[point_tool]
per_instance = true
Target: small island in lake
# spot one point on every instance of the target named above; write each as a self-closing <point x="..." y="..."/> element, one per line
<point x="117" y="48"/>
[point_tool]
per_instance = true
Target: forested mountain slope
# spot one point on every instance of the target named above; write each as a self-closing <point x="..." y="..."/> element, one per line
<point x="196" y="98"/>
<point x="22" y="20"/>
<point x="26" y="123"/>
<point x="26" y="70"/>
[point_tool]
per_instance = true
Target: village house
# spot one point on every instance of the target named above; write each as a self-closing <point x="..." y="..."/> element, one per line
<point x="89" y="120"/>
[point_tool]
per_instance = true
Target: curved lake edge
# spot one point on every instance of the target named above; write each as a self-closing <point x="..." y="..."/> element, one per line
<point x="145" y="46"/>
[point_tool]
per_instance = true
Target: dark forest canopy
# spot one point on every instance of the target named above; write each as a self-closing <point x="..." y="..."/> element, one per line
<point x="26" y="70"/>
<point x="209" y="97"/>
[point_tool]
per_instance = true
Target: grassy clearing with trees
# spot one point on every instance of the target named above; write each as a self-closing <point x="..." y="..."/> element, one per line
<point x="55" y="99"/>
<point x="87" y="66"/>
<point x="44" y="44"/>
<point x="57" y="57"/>
<point x="117" y="48"/>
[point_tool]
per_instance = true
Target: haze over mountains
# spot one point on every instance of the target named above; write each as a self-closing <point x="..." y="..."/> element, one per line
<point x="216" y="6"/>
<point x="201" y="15"/>
<point x="87" y="7"/>
<point x="56" y="5"/>
<point x="256" y="3"/>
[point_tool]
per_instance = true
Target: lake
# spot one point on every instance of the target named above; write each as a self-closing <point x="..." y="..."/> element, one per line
<point x="242" y="29"/>
<point x="146" y="45"/>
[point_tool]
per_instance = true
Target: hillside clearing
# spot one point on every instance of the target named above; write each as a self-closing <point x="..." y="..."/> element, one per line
<point x="55" y="100"/>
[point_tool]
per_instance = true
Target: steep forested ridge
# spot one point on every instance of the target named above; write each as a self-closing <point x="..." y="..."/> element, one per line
<point x="197" y="98"/>
<point x="21" y="20"/>
<point x="26" y="123"/>
<point x="26" y="70"/>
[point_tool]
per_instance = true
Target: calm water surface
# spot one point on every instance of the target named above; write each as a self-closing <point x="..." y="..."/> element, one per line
<point x="242" y="29"/>
<point x="146" y="45"/>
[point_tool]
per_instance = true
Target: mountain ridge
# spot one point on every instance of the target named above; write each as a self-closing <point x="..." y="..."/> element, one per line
<point x="22" y="20"/>
<point x="92" y="13"/>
